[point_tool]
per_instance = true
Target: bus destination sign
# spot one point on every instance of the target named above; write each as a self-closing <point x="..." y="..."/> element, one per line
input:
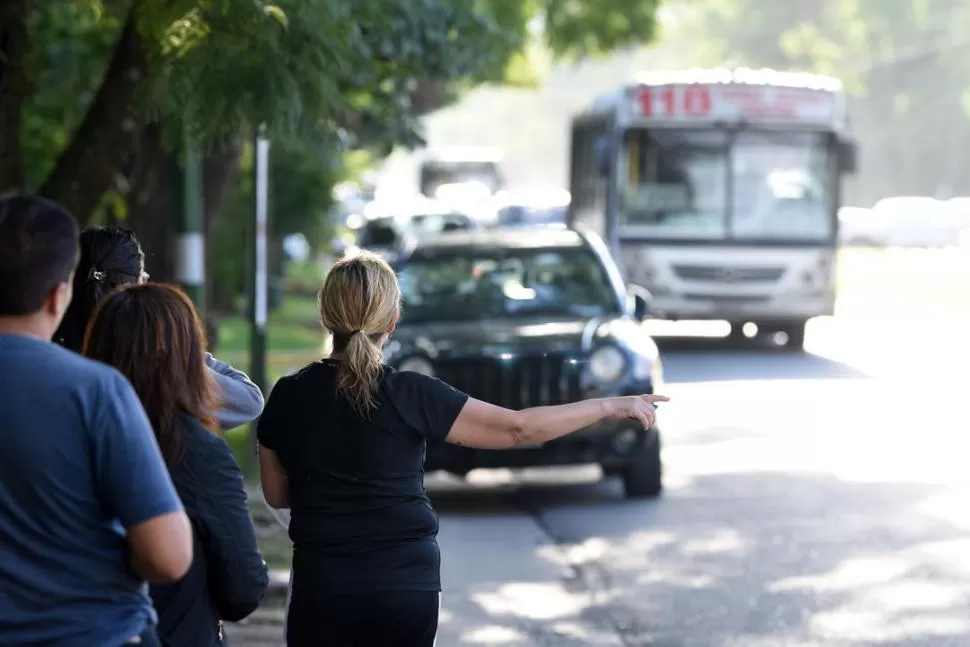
<point x="731" y="102"/>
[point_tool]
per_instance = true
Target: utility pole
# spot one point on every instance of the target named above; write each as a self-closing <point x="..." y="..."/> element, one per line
<point x="258" y="303"/>
<point x="190" y="241"/>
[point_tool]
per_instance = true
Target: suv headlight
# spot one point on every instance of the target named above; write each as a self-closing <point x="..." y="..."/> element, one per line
<point x="607" y="364"/>
<point x="417" y="365"/>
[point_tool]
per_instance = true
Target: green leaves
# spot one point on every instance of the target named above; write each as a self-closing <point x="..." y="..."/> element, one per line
<point x="330" y="74"/>
<point x="223" y="67"/>
<point x="71" y="45"/>
<point x="218" y="67"/>
<point x="575" y="29"/>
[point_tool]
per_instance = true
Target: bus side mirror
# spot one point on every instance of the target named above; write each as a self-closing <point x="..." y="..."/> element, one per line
<point x="848" y="156"/>
<point x="603" y="150"/>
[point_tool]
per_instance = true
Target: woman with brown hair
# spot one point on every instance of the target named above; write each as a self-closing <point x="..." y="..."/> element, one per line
<point x="342" y="444"/>
<point x="152" y="334"/>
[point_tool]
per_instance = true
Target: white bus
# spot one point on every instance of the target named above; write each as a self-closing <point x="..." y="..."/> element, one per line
<point x="718" y="191"/>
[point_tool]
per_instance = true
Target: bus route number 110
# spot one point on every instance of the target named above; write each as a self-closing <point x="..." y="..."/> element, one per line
<point x="675" y="101"/>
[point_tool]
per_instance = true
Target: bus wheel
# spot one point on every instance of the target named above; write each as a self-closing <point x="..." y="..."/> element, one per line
<point x="795" y="335"/>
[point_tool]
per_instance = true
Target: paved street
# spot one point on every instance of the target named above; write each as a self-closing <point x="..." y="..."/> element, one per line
<point x="816" y="499"/>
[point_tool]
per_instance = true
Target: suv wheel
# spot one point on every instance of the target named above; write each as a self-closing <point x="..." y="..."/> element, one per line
<point x="643" y="476"/>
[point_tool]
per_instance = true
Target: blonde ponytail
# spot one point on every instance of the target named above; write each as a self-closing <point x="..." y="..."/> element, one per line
<point x="358" y="304"/>
<point x="359" y="373"/>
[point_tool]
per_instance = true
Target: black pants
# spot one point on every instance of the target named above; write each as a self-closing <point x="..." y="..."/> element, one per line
<point x="385" y="619"/>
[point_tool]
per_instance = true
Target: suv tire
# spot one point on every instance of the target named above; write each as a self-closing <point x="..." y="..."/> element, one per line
<point x="643" y="476"/>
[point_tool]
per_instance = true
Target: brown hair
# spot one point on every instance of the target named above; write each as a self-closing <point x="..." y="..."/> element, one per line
<point x="152" y="334"/>
<point x="358" y="301"/>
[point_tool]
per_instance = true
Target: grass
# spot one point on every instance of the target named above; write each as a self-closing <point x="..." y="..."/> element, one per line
<point x="305" y="276"/>
<point x="294" y="326"/>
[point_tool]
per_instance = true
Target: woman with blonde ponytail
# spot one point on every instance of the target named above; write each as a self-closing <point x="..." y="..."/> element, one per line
<point x="342" y="444"/>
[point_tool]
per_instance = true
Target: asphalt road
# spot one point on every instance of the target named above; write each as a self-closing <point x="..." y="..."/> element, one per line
<point x="812" y="499"/>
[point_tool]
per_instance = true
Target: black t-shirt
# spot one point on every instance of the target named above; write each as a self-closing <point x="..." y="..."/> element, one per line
<point x="361" y="518"/>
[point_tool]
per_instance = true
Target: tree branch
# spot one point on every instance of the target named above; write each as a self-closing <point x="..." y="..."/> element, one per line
<point x="108" y="136"/>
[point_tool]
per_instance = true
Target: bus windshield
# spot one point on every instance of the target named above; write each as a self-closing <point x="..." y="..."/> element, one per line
<point x="712" y="184"/>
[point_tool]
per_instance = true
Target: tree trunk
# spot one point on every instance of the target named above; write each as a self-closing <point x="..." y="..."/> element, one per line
<point x="154" y="200"/>
<point x="106" y="141"/>
<point x="13" y="90"/>
<point x="219" y="170"/>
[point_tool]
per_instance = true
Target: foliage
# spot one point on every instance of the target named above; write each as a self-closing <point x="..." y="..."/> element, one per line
<point x="72" y="44"/>
<point x="325" y="78"/>
<point x="217" y="67"/>
<point x="892" y="55"/>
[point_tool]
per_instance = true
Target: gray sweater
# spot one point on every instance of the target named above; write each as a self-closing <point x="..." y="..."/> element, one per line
<point x="242" y="401"/>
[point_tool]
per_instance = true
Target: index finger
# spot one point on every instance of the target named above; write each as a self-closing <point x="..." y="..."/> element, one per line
<point x="655" y="398"/>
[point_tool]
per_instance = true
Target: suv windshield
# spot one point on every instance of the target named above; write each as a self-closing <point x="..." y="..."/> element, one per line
<point x="475" y="283"/>
<point x="677" y="183"/>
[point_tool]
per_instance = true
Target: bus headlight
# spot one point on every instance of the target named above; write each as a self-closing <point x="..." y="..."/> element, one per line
<point x="607" y="364"/>
<point x="417" y="365"/>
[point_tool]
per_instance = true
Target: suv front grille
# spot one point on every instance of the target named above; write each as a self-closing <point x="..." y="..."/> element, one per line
<point x="518" y="382"/>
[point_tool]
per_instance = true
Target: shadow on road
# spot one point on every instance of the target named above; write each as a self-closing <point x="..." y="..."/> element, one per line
<point x="759" y="559"/>
<point x="707" y="359"/>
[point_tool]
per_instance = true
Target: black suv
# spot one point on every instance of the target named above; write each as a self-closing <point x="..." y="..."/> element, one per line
<point x="524" y="318"/>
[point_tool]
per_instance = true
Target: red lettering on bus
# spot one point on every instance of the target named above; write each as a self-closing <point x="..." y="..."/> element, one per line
<point x="669" y="101"/>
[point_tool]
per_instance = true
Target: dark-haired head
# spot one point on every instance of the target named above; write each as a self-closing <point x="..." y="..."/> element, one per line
<point x="110" y="257"/>
<point x="38" y="253"/>
<point x="152" y="334"/>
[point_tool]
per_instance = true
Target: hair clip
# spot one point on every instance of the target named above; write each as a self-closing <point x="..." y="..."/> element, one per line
<point x="95" y="275"/>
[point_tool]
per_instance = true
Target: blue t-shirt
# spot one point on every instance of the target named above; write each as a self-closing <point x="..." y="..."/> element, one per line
<point x="78" y="464"/>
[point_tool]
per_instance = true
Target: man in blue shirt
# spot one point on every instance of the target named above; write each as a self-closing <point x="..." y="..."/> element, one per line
<point x="88" y="512"/>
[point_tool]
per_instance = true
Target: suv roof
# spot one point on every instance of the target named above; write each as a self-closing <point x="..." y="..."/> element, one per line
<point x="536" y="238"/>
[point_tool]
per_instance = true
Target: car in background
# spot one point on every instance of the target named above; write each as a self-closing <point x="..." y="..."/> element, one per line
<point x="520" y="320"/>
<point x="386" y="236"/>
<point x="531" y="207"/>
<point x="391" y="228"/>
<point x="912" y="221"/>
<point x="458" y="168"/>
<point x="958" y="212"/>
<point x="859" y="227"/>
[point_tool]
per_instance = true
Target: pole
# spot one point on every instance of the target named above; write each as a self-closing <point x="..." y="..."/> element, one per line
<point x="190" y="241"/>
<point x="258" y="310"/>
